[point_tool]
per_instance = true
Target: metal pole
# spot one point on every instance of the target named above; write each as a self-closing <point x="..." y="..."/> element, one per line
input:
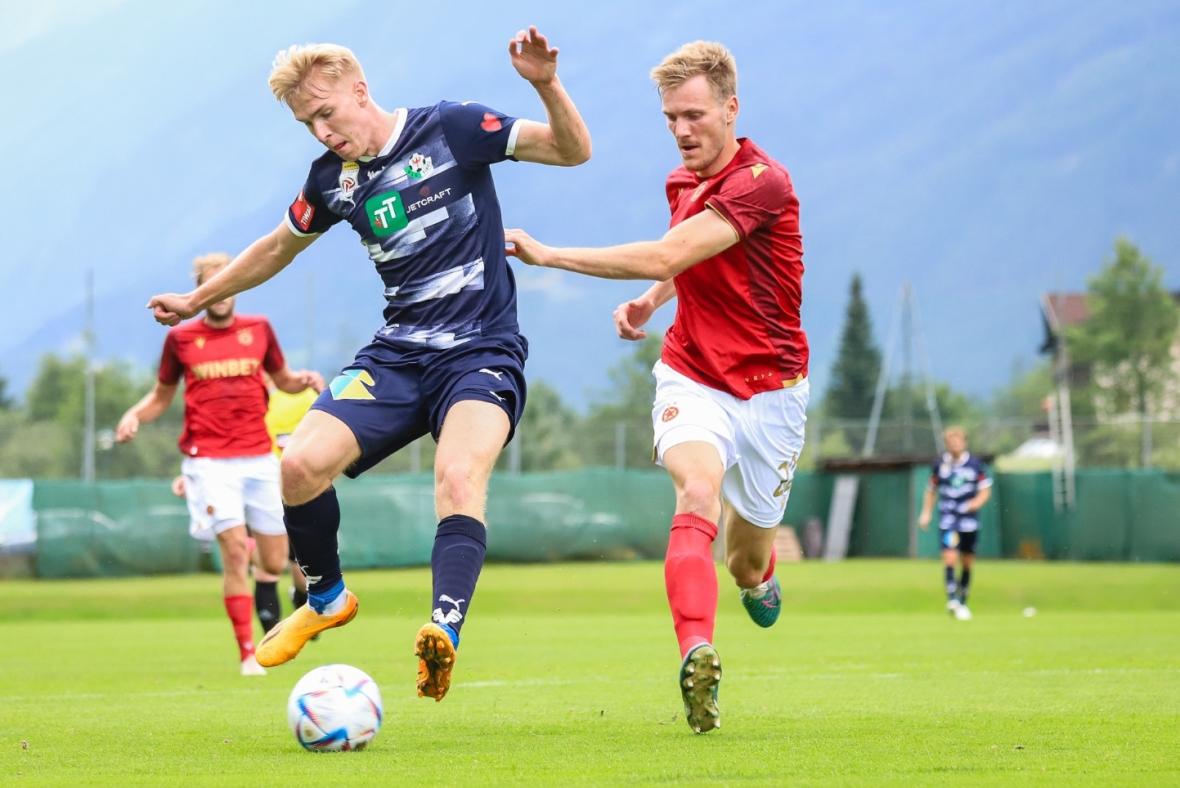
<point x="907" y="346"/>
<point x="88" y="361"/>
<point x="620" y="445"/>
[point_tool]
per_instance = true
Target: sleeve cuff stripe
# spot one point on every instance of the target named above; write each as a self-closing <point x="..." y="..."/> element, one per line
<point x="511" y="149"/>
<point x="291" y="226"/>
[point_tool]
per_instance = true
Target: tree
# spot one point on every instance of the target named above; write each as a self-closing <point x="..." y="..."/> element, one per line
<point x="623" y="419"/>
<point x="548" y="431"/>
<point x="6" y="402"/>
<point x="855" y="370"/>
<point x="1128" y="338"/>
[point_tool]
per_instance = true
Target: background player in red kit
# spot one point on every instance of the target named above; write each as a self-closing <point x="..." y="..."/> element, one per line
<point x="231" y="478"/>
<point x="731" y="387"/>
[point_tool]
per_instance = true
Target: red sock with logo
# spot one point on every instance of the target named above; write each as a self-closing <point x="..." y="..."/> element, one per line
<point x="691" y="580"/>
<point x="240" y="608"/>
<point x="770" y="569"/>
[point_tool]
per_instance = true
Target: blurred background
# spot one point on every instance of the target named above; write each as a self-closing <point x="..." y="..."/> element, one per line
<point x="989" y="198"/>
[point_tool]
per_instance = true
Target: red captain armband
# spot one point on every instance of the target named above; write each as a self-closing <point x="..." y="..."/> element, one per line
<point x="303" y="212"/>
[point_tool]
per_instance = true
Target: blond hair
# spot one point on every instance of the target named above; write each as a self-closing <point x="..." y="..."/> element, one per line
<point x="293" y="65"/>
<point x="709" y="58"/>
<point x="209" y="263"/>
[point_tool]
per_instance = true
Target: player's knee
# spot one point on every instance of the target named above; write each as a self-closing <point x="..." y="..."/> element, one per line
<point x="300" y="482"/>
<point x="698" y="495"/>
<point x="235" y="553"/>
<point x="455" y="485"/>
<point x="745" y="569"/>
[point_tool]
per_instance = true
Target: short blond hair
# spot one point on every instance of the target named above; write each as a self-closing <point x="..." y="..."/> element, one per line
<point x="209" y="263"/>
<point x="293" y="65"/>
<point x="699" y="57"/>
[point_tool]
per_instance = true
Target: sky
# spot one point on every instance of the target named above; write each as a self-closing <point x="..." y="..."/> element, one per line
<point x="984" y="153"/>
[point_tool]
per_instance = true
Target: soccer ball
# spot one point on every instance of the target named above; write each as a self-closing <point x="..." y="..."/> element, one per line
<point x="334" y="707"/>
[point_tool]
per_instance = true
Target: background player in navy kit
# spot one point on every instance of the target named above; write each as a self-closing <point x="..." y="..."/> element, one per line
<point x="415" y="185"/>
<point x="961" y="485"/>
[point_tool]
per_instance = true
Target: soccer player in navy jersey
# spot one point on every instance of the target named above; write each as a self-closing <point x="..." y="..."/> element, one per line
<point x="731" y="385"/>
<point x="960" y="483"/>
<point x="416" y="185"/>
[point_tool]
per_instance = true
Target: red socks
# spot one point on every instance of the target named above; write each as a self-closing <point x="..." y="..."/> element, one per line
<point x="240" y="608"/>
<point x="770" y="569"/>
<point x="691" y="580"/>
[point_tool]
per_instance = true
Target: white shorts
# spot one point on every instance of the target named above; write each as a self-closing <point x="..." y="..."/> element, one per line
<point x="224" y="492"/>
<point x="759" y="439"/>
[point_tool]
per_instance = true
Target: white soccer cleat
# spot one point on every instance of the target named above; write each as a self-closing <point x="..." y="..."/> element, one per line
<point x="952" y="606"/>
<point x="963" y="613"/>
<point x="250" y="667"/>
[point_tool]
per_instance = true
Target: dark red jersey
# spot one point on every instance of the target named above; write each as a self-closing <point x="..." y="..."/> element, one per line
<point x="737" y="326"/>
<point x="224" y="392"/>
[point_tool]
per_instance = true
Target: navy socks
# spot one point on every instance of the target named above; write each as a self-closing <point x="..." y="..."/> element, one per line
<point x="312" y="528"/>
<point x="459" y="547"/>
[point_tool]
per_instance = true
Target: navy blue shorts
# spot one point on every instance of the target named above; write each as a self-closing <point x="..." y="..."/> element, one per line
<point x="963" y="541"/>
<point x="390" y="398"/>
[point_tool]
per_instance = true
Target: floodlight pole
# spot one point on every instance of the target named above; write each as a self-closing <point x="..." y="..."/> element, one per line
<point x="88" y="361"/>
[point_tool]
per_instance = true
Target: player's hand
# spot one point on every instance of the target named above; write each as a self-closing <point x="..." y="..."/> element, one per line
<point x="178" y="486"/>
<point x="532" y="57"/>
<point x="924" y="521"/>
<point x="128" y="427"/>
<point x="630" y="315"/>
<point x="170" y="308"/>
<point x="522" y="246"/>
<point x="310" y="380"/>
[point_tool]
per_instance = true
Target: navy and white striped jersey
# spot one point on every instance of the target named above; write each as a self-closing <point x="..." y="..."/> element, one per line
<point x="957" y="482"/>
<point x="426" y="210"/>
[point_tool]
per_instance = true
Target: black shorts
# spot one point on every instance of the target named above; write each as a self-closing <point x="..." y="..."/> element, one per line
<point x="963" y="541"/>
<point x="389" y="398"/>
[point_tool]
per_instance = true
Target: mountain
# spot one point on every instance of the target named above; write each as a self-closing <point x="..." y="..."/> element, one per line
<point x="985" y="152"/>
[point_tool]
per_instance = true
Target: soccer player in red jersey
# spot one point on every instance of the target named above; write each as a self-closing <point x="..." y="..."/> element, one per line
<point x="231" y="478"/>
<point x="731" y="387"/>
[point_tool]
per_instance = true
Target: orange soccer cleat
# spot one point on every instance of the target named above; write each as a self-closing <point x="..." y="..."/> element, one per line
<point x="436" y="659"/>
<point x="287" y="638"/>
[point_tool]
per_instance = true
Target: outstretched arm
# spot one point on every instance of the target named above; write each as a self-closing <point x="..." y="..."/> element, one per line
<point x="630" y="315"/>
<point x="293" y="381"/>
<point x="564" y="140"/>
<point x="260" y="261"/>
<point x="150" y="408"/>
<point x="685" y="245"/>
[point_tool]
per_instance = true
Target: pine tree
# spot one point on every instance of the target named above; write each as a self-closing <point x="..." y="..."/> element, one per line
<point x="855" y="371"/>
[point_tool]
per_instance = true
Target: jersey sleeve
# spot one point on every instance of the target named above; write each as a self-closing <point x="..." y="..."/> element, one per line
<point x="308" y="215"/>
<point x="170" y="364"/>
<point x="478" y="135"/>
<point x="273" y="361"/>
<point x="983" y="480"/>
<point x="752" y="197"/>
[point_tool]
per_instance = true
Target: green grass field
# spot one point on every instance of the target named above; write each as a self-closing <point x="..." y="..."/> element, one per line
<point x="567" y="674"/>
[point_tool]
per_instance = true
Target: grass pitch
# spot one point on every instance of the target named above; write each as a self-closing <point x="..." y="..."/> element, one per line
<point x="567" y="674"/>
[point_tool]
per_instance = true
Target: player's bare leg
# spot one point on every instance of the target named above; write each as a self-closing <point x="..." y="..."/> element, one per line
<point x="320" y="449"/>
<point x="750" y="558"/>
<point x="472" y="435"/>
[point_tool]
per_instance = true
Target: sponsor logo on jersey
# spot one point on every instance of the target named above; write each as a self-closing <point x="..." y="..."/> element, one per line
<point x="419" y="167"/>
<point x="352" y="384"/>
<point x="490" y="123"/>
<point x="349" y="177"/>
<point x="428" y="198"/>
<point x="386" y="214"/>
<point x="303" y="211"/>
<point x="757" y="170"/>
<point x="226" y="368"/>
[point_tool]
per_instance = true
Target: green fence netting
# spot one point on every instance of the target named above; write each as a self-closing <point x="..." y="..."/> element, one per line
<point x="138" y="527"/>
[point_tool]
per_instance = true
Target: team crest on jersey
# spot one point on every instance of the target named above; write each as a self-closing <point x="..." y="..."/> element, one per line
<point x="245" y="337"/>
<point x="670" y="413"/>
<point x="419" y="167"/>
<point x="349" y="177"/>
<point x="199" y="342"/>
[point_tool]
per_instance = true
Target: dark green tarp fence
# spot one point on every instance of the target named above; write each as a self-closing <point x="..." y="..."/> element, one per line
<point x="138" y="527"/>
